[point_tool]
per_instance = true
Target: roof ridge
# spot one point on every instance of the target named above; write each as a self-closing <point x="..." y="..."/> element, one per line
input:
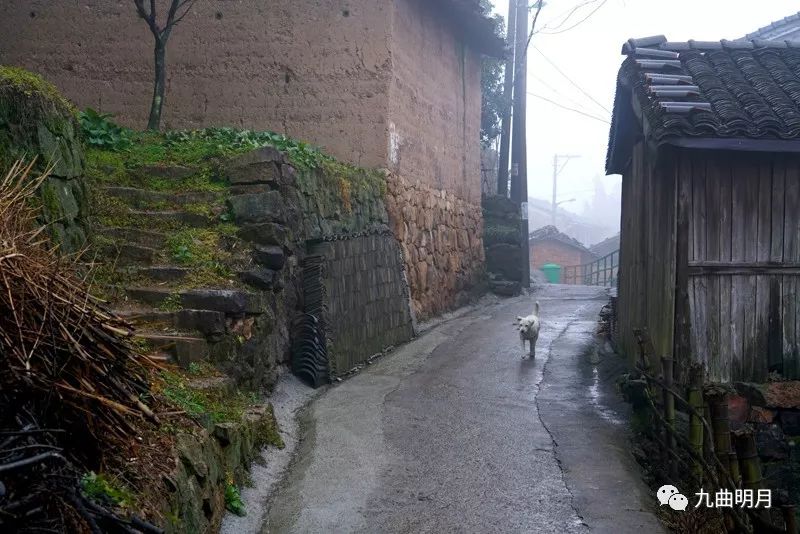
<point x="659" y="43"/>
<point x="774" y="25"/>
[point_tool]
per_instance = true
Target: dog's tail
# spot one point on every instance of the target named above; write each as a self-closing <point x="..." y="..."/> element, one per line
<point x="536" y="310"/>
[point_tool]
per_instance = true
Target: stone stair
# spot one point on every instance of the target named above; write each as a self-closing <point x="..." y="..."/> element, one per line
<point x="178" y="319"/>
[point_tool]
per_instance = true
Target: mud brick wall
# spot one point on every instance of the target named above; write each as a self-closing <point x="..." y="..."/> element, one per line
<point x="367" y="292"/>
<point x="318" y="71"/>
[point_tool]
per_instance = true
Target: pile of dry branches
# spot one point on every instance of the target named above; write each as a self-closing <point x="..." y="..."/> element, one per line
<point x="71" y="383"/>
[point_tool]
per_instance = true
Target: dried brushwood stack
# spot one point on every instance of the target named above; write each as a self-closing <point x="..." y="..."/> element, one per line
<point x="70" y="381"/>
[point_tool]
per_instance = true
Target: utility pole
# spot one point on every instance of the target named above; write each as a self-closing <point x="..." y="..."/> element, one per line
<point x="556" y="171"/>
<point x="508" y="85"/>
<point x="519" y="161"/>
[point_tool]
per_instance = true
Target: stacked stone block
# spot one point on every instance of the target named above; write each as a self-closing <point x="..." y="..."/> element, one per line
<point x="441" y="237"/>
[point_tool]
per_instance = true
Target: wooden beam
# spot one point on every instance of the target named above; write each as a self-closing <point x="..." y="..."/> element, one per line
<point x="701" y="268"/>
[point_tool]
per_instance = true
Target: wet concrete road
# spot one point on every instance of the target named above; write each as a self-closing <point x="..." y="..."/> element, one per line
<point x="456" y="432"/>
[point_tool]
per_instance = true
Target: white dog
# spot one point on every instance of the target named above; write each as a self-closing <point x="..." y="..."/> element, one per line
<point x="529" y="329"/>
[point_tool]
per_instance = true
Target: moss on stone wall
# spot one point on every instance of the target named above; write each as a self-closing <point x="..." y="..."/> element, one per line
<point x="37" y="122"/>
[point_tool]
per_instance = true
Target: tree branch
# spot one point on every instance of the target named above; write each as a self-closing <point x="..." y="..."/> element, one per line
<point x="150" y="18"/>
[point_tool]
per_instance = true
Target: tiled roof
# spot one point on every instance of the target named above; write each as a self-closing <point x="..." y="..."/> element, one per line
<point x="477" y="29"/>
<point x="551" y="232"/>
<point x="786" y="28"/>
<point x="700" y="90"/>
<point x="606" y="246"/>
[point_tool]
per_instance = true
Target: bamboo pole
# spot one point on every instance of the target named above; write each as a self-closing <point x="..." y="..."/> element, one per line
<point x="695" y="399"/>
<point x="721" y="427"/>
<point x="669" y="413"/>
<point x="745" y="442"/>
<point x="789" y="518"/>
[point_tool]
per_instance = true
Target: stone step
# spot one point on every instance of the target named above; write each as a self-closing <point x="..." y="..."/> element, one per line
<point x="136" y="236"/>
<point x="206" y="322"/>
<point x="183" y="348"/>
<point x="174" y="218"/>
<point x="224" y="384"/>
<point x="228" y="301"/>
<point x="162" y="273"/>
<point x="125" y="254"/>
<point x="143" y="198"/>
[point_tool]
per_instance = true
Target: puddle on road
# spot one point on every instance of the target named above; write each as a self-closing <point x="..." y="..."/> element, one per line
<point x="595" y="395"/>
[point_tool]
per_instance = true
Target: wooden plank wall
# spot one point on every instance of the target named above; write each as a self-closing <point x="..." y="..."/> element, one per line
<point x="744" y="262"/>
<point x="646" y="287"/>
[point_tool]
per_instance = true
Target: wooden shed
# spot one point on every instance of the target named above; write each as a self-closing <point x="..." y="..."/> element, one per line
<point x="707" y="138"/>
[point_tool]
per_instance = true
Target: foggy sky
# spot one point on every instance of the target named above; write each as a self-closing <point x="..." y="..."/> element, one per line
<point x="589" y="55"/>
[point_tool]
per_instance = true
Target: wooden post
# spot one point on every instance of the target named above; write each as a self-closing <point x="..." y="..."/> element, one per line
<point x="669" y="414"/>
<point x="695" y="424"/>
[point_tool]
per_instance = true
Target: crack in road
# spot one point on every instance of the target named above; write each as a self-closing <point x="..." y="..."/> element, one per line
<point x="554" y="448"/>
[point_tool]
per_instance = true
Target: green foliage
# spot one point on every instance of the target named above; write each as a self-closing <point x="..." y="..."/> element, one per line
<point x="233" y="500"/>
<point x="499" y="233"/>
<point x="30" y="84"/>
<point x="493" y="103"/>
<point x="100" y="131"/>
<point x="99" y="488"/>
<point x="171" y="303"/>
<point x="230" y="141"/>
<point x="216" y="405"/>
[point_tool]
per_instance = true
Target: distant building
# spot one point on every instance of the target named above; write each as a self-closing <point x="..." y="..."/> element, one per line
<point x="540" y="213"/>
<point x="788" y="28"/>
<point x="606" y="246"/>
<point x="549" y="245"/>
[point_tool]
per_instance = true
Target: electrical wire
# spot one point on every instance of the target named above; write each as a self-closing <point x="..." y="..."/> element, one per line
<point x="577" y="23"/>
<point x="568" y="16"/>
<point x="557" y="92"/>
<point x="578" y="87"/>
<point x="595" y="117"/>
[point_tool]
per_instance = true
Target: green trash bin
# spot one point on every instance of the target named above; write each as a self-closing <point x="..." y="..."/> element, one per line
<point x="552" y="271"/>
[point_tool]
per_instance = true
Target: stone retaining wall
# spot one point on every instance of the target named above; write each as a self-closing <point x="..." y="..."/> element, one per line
<point x="441" y="237"/>
<point x="368" y="308"/>
<point x="279" y="210"/>
<point x="205" y="459"/>
<point x="36" y="122"/>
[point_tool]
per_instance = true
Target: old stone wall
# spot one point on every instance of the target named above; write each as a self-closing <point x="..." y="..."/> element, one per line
<point x="37" y="122"/>
<point x="318" y="71"/>
<point x="279" y="209"/>
<point x="441" y="239"/>
<point x="368" y="306"/>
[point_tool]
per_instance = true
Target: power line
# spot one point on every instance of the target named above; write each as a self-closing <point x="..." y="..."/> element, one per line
<point x="557" y="92"/>
<point x="568" y="15"/>
<point x="569" y="108"/>
<point x="579" y="22"/>
<point x="578" y="87"/>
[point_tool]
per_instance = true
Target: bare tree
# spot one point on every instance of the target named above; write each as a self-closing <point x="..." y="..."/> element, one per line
<point x="177" y="11"/>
